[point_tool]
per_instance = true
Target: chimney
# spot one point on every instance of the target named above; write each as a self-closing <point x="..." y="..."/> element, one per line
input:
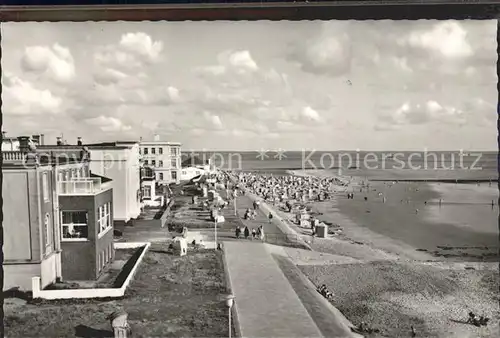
<point x="24" y="144"/>
<point x="42" y="139"/>
<point x="79" y="141"/>
<point x="157" y="137"/>
<point x="59" y="141"/>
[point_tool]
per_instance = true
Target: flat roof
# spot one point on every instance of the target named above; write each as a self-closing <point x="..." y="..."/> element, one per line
<point x="166" y="143"/>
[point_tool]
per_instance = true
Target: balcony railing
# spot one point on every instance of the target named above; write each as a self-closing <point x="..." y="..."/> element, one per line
<point x="81" y="186"/>
<point x="10" y="156"/>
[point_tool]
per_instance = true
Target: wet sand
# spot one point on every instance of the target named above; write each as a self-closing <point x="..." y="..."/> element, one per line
<point x="456" y="231"/>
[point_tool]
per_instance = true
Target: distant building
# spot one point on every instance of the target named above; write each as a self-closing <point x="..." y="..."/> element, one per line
<point x="153" y="195"/>
<point x="194" y="166"/>
<point x="58" y="222"/>
<point x="165" y="159"/>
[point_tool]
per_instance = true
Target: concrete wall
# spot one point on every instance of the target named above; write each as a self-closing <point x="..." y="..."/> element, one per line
<point x="20" y="235"/>
<point x="29" y="246"/>
<point x="19" y="275"/>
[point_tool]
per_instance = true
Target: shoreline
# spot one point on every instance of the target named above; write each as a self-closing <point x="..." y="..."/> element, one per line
<point x="390" y="285"/>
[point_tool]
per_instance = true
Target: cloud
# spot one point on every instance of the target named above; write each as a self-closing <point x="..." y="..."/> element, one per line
<point x="447" y="39"/>
<point x="109" y="76"/>
<point x="108" y="124"/>
<point x="330" y="53"/>
<point x="55" y="62"/>
<point x="23" y="98"/>
<point x="134" y="50"/>
<point x="310" y="114"/>
<point x="214" y="120"/>
<point x="231" y="62"/>
<point x="142" y="44"/>
<point x="421" y="113"/>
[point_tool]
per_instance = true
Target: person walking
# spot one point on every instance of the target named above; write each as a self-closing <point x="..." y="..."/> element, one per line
<point x="254" y="234"/>
<point x="246" y="232"/>
<point x="238" y="232"/>
<point x="261" y="233"/>
<point x="270" y="216"/>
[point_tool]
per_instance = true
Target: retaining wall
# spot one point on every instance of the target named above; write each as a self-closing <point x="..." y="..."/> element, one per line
<point x="92" y="293"/>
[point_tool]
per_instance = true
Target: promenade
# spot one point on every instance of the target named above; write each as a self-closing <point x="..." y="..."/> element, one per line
<point x="266" y="304"/>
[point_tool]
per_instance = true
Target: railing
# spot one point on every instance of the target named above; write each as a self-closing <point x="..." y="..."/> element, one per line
<point x="13" y="156"/>
<point x="80" y="186"/>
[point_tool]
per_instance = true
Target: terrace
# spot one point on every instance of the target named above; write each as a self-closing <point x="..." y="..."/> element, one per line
<point x="82" y="186"/>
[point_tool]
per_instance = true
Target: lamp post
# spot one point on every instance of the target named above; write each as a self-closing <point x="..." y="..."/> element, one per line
<point x="229" y="304"/>
<point x="215" y="226"/>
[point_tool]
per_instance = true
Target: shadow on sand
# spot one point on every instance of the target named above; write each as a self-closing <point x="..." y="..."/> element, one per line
<point x="88" y="332"/>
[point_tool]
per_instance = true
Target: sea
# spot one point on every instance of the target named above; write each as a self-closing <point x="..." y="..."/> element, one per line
<point x="380" y="165"/>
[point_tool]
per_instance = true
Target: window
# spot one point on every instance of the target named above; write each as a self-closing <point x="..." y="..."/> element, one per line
<point x="147" y="192"/>
<point x="184" y="172"/>
<point x="160" y="150"/>
<point x="60" y="177"/>
<point x="48" y="233"/>
<point x="153" y="150"/>
<point x="153" y="163"/>
<point x="145" y="151"/>
<point x="74" y="225"/>
<point x="161" y="176"/>
<point x="173" y="151"/>
<point x="160" y="163"/>
<point x="174" y="175"/>
<point x="197" y="172"/>
<point x="45" y="187"/>
<point x="146" y="162"/>
<point x="104" y="217"/>
<point x="173" y="163"/>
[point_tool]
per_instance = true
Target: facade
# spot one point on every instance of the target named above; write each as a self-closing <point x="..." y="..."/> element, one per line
<point x="52" y="224"/>
<point x="121" y="162"/>
<point x="165" y="159"/>
<point x="118" y="161"/>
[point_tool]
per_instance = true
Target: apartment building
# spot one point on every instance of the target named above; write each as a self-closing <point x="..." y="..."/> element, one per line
<point x="165" y="159"/>
<point x="56" y="224"/>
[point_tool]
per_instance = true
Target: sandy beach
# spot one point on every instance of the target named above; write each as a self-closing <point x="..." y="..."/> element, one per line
<point x="391" y="267"/>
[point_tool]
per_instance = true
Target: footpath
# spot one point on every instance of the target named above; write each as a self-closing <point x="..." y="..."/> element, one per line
<point x="266" y="304"/>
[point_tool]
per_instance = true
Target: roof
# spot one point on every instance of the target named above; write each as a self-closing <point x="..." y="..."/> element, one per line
<point x="111" y="145"/>
<point x="163" y="143"/>
<point x="192" y="161"/>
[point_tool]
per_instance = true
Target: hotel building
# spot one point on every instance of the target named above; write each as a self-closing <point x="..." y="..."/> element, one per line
<point x="165" y="159"/>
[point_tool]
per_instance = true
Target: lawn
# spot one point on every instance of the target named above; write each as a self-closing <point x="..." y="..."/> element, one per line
<point x="169" y="297"/>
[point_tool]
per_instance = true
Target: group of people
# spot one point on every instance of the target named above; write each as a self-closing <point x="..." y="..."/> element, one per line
<point x="323" y="290"/>
<point x="477" y="320"/>
<point x="256" y="233"/>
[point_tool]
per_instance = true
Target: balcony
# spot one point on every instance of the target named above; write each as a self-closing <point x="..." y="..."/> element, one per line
<point x="81" y="186"/>
<point x="13" y="156"/>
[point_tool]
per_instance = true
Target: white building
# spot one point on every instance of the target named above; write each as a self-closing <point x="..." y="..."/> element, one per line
<point x="194" y="166"/>
<point x="121" y="162"/>
<point x="165" y="159"/>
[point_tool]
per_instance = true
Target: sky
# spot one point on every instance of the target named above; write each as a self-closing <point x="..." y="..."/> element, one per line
<point x="324" y="85"/>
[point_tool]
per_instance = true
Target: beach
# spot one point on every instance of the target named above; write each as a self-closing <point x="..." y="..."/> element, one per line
<point x="392" y="267"/>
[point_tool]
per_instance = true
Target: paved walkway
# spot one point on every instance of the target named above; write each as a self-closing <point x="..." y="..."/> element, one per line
<point x="266" y="304"/>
